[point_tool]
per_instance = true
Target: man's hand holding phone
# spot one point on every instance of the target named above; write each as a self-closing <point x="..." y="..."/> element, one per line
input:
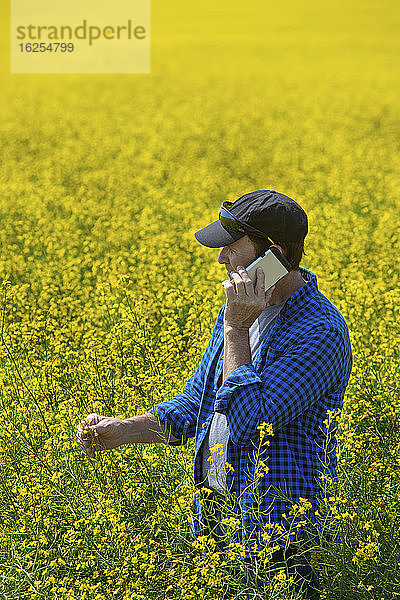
<point x="246" y="293"/>
<point x="244" y="300"/>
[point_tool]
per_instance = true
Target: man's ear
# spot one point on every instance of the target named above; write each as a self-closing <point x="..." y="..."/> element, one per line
<point x="281" y="250"/>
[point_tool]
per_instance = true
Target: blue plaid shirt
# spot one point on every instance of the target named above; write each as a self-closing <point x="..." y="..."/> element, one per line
<point x="300" y="371"/>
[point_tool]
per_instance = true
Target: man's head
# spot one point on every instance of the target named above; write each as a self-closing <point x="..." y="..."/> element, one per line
<point x="258" y="220"/>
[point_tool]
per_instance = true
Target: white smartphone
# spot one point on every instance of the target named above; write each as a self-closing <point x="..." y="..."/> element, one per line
<point x="274" y="265"/>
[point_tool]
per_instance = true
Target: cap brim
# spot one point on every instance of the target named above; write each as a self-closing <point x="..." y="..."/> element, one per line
<point x="215" y="236"/>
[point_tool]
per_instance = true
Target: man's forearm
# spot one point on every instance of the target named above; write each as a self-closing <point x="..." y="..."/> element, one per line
<point x="145" y="429"/>
<point x="236" y="349"/>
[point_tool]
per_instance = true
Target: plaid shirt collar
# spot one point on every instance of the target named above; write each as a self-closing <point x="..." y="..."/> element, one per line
<point x="301" y="296"/>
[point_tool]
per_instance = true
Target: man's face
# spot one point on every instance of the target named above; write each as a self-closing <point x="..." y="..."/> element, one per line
<point x="240" y="253"/>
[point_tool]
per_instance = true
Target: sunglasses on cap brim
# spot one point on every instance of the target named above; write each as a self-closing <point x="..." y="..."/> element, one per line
<point x="234" y="225"/>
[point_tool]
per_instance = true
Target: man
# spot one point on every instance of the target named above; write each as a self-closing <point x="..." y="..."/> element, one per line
<point x="280" y="357"/>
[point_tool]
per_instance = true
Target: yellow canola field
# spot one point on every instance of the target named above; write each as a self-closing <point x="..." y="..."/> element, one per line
<point x="108" y="301"/>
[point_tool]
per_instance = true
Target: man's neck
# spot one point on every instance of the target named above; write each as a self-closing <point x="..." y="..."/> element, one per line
<point x="289" y="284"/>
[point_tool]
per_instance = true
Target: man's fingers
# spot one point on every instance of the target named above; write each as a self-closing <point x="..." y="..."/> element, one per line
<point x="84" y="437"/>
<point x="88" y="439"/>
<point x="239" y="283"/>
<point x="229" y="289"/>
<point x="86" y="434"/>
<point x="248" y="284"/>
<point x="93" y="419"/>
<point x="85" y="445"/>
<point x="260" y="282"/>
<point x="92" y="434"/>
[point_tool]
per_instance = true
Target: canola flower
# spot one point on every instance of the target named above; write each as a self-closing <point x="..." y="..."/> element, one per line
<point x="108" y="301"/>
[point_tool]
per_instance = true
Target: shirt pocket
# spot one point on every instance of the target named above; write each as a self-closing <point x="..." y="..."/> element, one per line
<point x="272" y="355"/>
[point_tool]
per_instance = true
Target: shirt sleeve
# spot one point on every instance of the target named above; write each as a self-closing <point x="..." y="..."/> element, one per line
<point x="179" y="415"/>
<point x="285" y="388"/>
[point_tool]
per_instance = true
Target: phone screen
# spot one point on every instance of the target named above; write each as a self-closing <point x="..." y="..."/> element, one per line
<point x="274" y="265"/>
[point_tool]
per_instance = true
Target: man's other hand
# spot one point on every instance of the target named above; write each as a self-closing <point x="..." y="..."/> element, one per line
<point x="97" y="433"/>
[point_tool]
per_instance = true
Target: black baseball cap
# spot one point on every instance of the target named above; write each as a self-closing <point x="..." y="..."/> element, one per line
<point x="272" y="214"/>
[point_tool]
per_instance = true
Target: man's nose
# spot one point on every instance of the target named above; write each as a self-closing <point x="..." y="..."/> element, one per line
<point x="221" y="257"/>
